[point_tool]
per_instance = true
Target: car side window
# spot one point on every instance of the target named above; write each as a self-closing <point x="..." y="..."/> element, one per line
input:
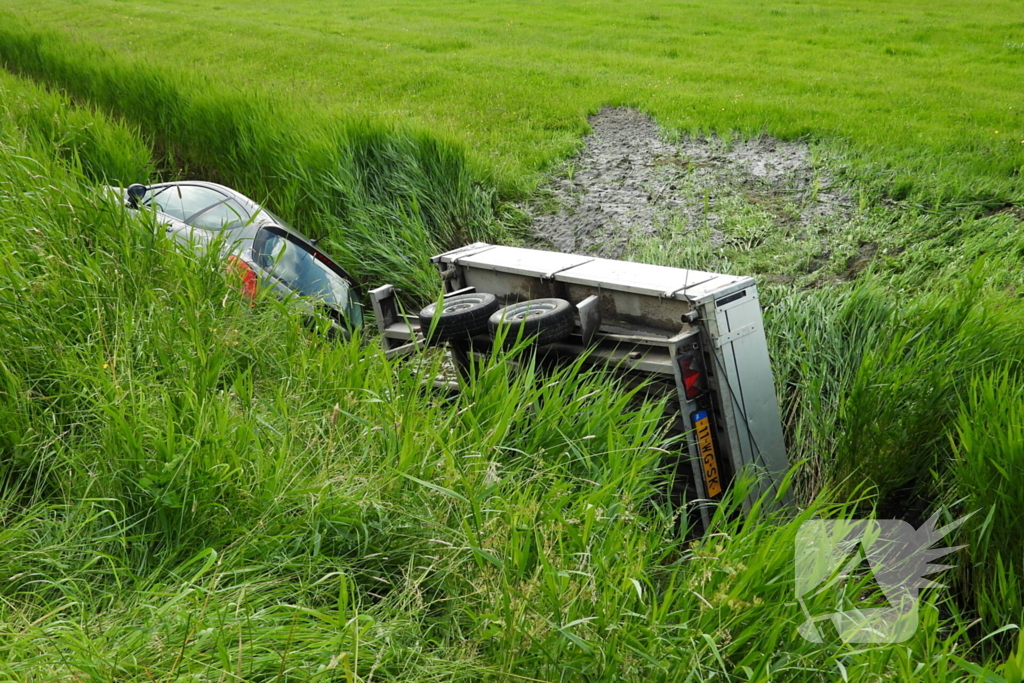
<point x="194" y="198"/>
<point x="270" y="248"/>
<point x="184" y="201"/>
<point x="226" y="214"/>
<point x="166" y="200"/>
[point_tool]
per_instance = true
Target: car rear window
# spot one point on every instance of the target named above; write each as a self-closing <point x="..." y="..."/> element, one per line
<point x="299" y="268"/>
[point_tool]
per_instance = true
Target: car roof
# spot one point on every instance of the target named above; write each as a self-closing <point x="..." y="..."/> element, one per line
<point x="200" y="183"/>
<point x="264" y="219"/>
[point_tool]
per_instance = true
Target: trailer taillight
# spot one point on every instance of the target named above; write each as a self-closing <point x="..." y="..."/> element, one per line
<point x="244" y="272"/>
<point x="691" y="377"/>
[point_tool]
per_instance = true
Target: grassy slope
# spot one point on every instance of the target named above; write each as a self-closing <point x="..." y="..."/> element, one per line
<point x="925" y="88"/>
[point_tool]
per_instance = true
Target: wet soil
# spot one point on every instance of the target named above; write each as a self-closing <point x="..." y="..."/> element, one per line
<point x="630" y="181"/>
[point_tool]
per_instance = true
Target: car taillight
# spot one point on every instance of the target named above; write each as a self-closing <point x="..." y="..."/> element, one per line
<point x="691" y="377"/>
<point x="240" y="268"/>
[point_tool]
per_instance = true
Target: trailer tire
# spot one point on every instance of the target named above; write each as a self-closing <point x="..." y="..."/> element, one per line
<point x="546" y="320"/>
<point x="460" y="317"/>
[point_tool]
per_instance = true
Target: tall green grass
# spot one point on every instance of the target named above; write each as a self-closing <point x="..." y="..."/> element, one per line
<point x="386" y="196"/>
<point x="193" y="489"/>
<point x="914" y="403"/>
<point x="877" y="380"/>
<point x="986" y="467"/>
<point x="105" y="151"/>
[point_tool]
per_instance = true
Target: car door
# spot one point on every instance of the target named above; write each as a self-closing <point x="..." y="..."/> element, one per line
<point x="226" y="214"/>
<point x="181" y="202"/>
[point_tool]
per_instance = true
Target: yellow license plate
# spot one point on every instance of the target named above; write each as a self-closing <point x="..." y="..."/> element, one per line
<point x="706" y="449"/>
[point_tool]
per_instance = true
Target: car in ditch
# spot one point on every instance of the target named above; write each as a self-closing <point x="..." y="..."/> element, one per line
<point x="691" y="338"/>
<point x="258" y="247"/>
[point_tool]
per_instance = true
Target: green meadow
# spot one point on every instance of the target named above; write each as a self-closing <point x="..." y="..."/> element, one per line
<point x="927" y="91"/>
<point x="193" y="490"/>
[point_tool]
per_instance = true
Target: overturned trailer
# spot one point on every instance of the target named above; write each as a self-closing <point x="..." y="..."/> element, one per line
<point x="696" y="336"/>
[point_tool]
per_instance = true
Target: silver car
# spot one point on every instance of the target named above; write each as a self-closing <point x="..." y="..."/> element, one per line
<point x="260" y="248"/>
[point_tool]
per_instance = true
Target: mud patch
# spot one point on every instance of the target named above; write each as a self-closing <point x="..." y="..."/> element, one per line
<point x="631" y="183"/>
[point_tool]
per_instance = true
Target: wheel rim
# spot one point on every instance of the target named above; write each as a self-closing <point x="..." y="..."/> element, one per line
<point x="461" y="303"/>
<point x="529" y="310"/>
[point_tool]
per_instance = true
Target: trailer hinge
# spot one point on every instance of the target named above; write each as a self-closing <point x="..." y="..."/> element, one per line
<point x="724" y="339"/>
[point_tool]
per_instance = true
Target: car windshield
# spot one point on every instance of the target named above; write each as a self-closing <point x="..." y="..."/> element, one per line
<point x="301" y="270"/>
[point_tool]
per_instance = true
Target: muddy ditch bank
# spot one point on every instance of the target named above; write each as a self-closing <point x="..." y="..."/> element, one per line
<point x="630" y="181"/>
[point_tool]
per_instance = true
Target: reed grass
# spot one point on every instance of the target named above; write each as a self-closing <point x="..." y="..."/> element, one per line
<point x="379" y="191"/>
<point x="193" y="489"/>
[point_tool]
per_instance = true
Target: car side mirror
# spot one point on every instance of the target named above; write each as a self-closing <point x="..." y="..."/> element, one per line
<point x="136" y="192"/>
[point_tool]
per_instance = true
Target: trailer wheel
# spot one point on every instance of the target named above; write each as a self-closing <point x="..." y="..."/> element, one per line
<point x="548" y="320"/>
<point x="460" y="317"/>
